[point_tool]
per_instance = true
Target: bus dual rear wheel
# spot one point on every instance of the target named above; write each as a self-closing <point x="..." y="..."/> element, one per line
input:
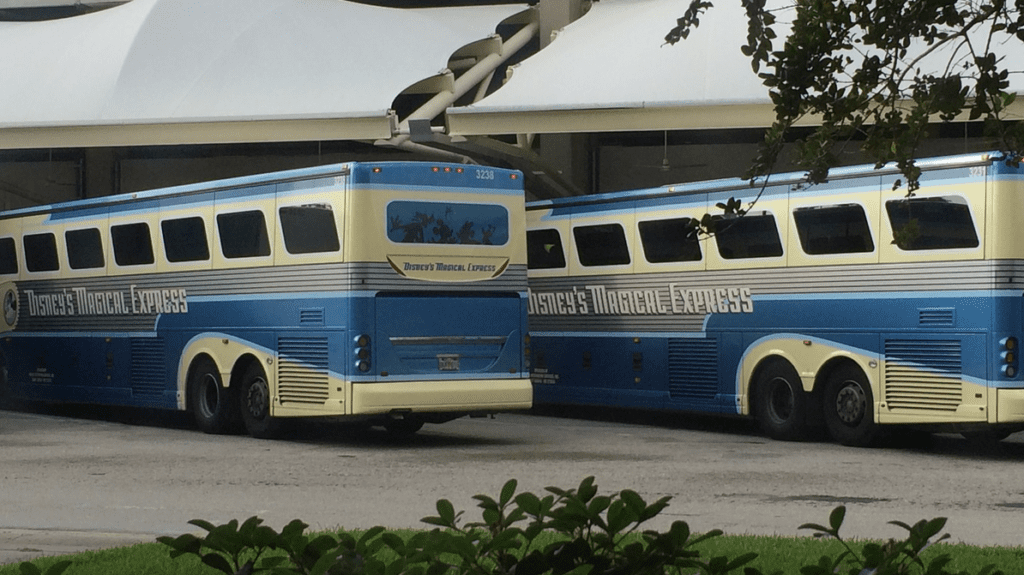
<point x="255" y="403"/>
<point x="780" y="403"/>
<point x="848" y="406"/>
<point x="211" y="402"/>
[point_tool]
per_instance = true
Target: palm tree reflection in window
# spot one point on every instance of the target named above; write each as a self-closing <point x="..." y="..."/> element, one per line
<point x="450" y="223"/>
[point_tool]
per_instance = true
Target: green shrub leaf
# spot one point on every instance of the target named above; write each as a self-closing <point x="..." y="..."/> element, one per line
<point x="507" y="491"/>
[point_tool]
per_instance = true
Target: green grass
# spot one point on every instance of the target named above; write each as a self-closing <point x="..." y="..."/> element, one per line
<point x="785" y="554"/>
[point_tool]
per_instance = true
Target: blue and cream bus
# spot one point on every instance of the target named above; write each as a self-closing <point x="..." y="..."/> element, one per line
<point x="846" y="305"/>
<point x="392" y="292"/>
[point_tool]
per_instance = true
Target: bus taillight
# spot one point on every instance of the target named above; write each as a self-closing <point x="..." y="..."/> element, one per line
<point x="362" y="353"/>
<point x="1009" y="356"/>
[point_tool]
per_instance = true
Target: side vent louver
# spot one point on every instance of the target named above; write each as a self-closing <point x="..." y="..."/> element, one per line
<point x="147" y="367"/>
<point x="302" y="370"/>
<point x="692" y="368"/>
<point x="923" y="374"/>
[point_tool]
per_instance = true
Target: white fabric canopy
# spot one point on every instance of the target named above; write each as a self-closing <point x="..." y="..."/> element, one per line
<point x="169" y="71"/>
<point x="611" y="71"/>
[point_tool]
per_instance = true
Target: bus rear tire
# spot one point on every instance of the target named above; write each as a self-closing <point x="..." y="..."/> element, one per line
<point x="211" y="402"/>
<point x="780" y="403"/>
<point x="255" y="404"/>
<point x="848" y="406"/>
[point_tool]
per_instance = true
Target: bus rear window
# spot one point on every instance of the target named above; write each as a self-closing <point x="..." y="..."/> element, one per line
<point x="309" y="229"/>
<point x="601" y="245"/>
<point x="411" y="222"/>
<point x="748" y="236"/>
<point x="544" y="250"/>
<point x="833" y="230"/>
<point x="932" y="223"/>
<point x="41" y="253"/>
<point x="243" y="234"/>
<point x="672" y="240"/>
<point x="85" y="249"/>
<point x="8" y="256"/>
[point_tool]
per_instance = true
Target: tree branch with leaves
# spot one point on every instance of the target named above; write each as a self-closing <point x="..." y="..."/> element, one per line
<point x="879" y="73"/>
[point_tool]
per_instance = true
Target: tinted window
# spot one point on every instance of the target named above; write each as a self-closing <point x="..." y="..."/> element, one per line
<point x="243" y="234"/>
<point x="8" y="256"/>
<point x="601" y="245"/>
<point x="673" y="240"/>
<point x="309" y="229"/>
<point x="544" y="250"/>
<point x="185" y="240"/>
<point x="932" y="223"/>
<point x="41" y="253"/>
<point x="85" y="249"/>
<point x="748" y="236"/>
<point x="132" y="244"/>
<point x="447" y="223"/>
<point x="833" y="230"/>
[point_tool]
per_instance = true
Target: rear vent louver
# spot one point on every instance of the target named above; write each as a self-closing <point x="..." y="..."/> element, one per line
<point x="923" y="375"/>
<point x="311" y="316"/>
<point x="936" y="317"/>
<point x="302" y="370"/>
<point x="692" y="368"/>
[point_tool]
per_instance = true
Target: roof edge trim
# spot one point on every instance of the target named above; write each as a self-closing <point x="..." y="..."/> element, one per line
<point x="619" y="119"/>
<point x="199" y="132"/>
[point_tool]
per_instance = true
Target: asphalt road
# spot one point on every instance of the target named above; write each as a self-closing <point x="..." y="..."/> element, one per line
<point x="80" y="478"/>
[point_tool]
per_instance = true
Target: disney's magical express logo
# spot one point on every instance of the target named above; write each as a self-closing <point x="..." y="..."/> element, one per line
<point x="83" y="302"/>
<point x="676" y="300"/>
<point x="9" y="294"/>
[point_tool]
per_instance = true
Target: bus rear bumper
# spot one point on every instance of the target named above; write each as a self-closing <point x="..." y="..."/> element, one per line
<point x="472" y="395"/>
<point x="1009" y="406"/>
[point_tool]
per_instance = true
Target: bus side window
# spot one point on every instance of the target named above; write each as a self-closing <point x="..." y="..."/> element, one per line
<point x="544" y="250"/>
<point x="243" y="234"/>
<point x="309" y="229"/>
<point x="601" y="245"/>
<point x="833" y="229"/>
<point x="932" y="223"/>
<point x="185" y="240"/>
<point x="41" y="253"/>
<point x="132" y="244"/>
<point x="749" y="236"/>
<point x="85" y="248"/>
<point x="8" y="257"/>
<point x="672" y="240"/>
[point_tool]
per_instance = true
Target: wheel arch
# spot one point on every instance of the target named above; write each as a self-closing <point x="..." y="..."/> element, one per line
<point x="814" y="359"/>
<point x="185" y="376"/>
<point x="241" y="365"/>
<point x="230" y="355"/>
<point x="751" y="380"/>
<point x="831" y="365"/>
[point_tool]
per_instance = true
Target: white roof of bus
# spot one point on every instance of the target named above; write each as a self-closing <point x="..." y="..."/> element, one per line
<point x="278" y="68"/>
